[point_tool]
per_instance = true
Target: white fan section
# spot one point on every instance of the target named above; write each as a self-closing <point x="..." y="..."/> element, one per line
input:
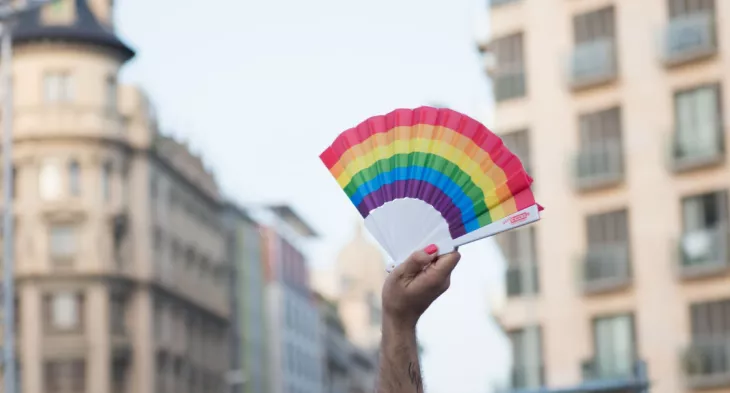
<point x="405" y="225"/>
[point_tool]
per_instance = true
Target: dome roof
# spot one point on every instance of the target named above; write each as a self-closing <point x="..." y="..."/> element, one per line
<point x="85" y="29"/>
<point x="361" y="260"/>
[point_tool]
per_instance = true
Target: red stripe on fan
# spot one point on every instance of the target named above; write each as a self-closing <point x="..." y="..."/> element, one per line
<point x="448" y="118"/>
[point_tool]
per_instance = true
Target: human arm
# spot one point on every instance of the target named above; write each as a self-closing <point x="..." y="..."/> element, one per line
<point x="408" y="291"/>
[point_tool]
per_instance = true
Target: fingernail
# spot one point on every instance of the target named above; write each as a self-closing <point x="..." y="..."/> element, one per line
<point x="431" y="249"/>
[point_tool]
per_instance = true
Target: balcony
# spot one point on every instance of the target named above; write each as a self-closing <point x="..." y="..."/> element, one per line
<point x="706" y="363"/>
<point x="605" y="268"/>
<point x="522" y="280"/>
<point x="508" y="83"/>
<point x="687" y="152"/>
<point x="599" y="166"/>
<point x="615" y="369"/>
<point x="689" y="38"/>
<point x="703" y="253"/>
<point x="70" y="120"/>
<point x="592" y="64"/>
<point x="527" y="376"/>
<point x="497" y="3"/>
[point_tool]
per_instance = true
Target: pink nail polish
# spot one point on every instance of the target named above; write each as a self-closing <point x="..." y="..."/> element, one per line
<point x="431" y="249"/>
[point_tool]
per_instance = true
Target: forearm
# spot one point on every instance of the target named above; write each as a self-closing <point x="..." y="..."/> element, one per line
<point x="400" y="370"/>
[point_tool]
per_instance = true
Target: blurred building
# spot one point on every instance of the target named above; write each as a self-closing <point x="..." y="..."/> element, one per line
<point x="249" y="353"/>
<point x="295" y="350"/>
<point x="337" y="348"/>
<point x="356" y="283"/>
<point x="121" y="275"/>
<point x="347" y="369"/>
<point x="617" y="108"/>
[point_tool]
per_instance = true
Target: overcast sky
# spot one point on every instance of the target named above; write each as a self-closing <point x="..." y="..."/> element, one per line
<point x="261" y="87"/>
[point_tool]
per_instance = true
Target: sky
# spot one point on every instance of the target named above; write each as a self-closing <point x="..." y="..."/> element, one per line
<point x="260" y="88"/>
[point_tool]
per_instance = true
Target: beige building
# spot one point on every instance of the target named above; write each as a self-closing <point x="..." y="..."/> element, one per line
<point x="119" y="251"/>
<point x="617" y="108"/>
<point x="355" y="283"/>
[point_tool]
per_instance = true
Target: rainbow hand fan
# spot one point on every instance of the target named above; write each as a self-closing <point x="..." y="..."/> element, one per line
<point x="430" y="176"/>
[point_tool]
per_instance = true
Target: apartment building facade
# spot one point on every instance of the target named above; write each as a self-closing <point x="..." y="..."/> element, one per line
<point x="360" y="274"/>
<point x="120" y="256"/>
<point x="617" y="108"/>
<point x="249" y="347"/>
<point x="347" y="367"/>
<point x="293" y="320"/>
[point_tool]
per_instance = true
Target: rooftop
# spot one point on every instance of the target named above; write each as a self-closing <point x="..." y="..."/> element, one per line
<point x="83" y="28"/>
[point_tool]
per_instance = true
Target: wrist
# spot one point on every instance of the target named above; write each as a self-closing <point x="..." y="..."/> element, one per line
<point x="398" y="324"/>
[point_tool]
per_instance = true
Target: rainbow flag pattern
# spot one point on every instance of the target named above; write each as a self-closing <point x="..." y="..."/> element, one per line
<point x="442" y="157"/>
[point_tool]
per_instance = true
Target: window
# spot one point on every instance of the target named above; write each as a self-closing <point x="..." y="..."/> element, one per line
<point x="157" y="239"/>
<point x="118" y="314"/>
<point x="608" y="228"/>
<point x="64" y="311"/>
<point x="601" y="151"/>
<point x="65" y="376"/>
<point x="157" y="320"/>
<point x="678" y="8"/>
<point x="705" y="212"/>
<point x="111" y="93"/>
<point x="600" y="128"/>
<point x="509" y="79"/>
<point x="106" y="179"/>
<point x="710" y="319"/>
<point x="154" y="186"/>
<point x="62" y="241"/>
<point x="519" y="249"/>
<point x="374" y="309"/>
<point x="49" y="180"/>
<point x="74" y="178"/>
<point x="615" y="350"/>
<point x="704" y="238"/>
<point x="698" y="120"/>
<point x="594" y="26"/>
<point x="518" y="142"/>
<point x="527" y="369"/>
<point x="607" y="259"/>
<point x="119" y="375"/>
<point x="594" y="59"/>
<point x="58" y="87"/>
<point x="166" y="324"/>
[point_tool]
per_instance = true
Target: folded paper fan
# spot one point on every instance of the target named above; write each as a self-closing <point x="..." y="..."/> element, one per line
<point x="430" y="176"/>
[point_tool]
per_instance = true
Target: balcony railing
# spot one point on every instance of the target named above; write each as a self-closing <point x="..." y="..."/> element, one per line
<point x="703" y="252"/>
<point x="593" y="63"/>
<point x="706" y="362"/>
<point x="508" y="83"/>
<point x="496" y="3"/>
<point x="687" y="153"/>
<point x="70" y="120"/>
<point x="605" y="268"/>
<point x="518" y="283"/>
<point x="617" y="368"/>
<point x="527" y="376"/>
<point x="689" y="38"/>
<point x="600" y="165"/>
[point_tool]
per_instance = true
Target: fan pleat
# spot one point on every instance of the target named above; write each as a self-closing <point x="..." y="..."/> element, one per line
<point x="456" y="164"/>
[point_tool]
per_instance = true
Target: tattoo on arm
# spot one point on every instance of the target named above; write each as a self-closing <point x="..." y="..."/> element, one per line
<point x="400" y="371"/>
<point x="414" y="374"/>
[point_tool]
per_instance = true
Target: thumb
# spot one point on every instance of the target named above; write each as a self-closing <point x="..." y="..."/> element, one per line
<point x="445" y="264"/>
<point x="419" y="260"/>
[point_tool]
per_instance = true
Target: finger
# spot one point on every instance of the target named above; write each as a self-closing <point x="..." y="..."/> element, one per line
<point x="419" y="260"/>
<point x="445" y="265"/>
